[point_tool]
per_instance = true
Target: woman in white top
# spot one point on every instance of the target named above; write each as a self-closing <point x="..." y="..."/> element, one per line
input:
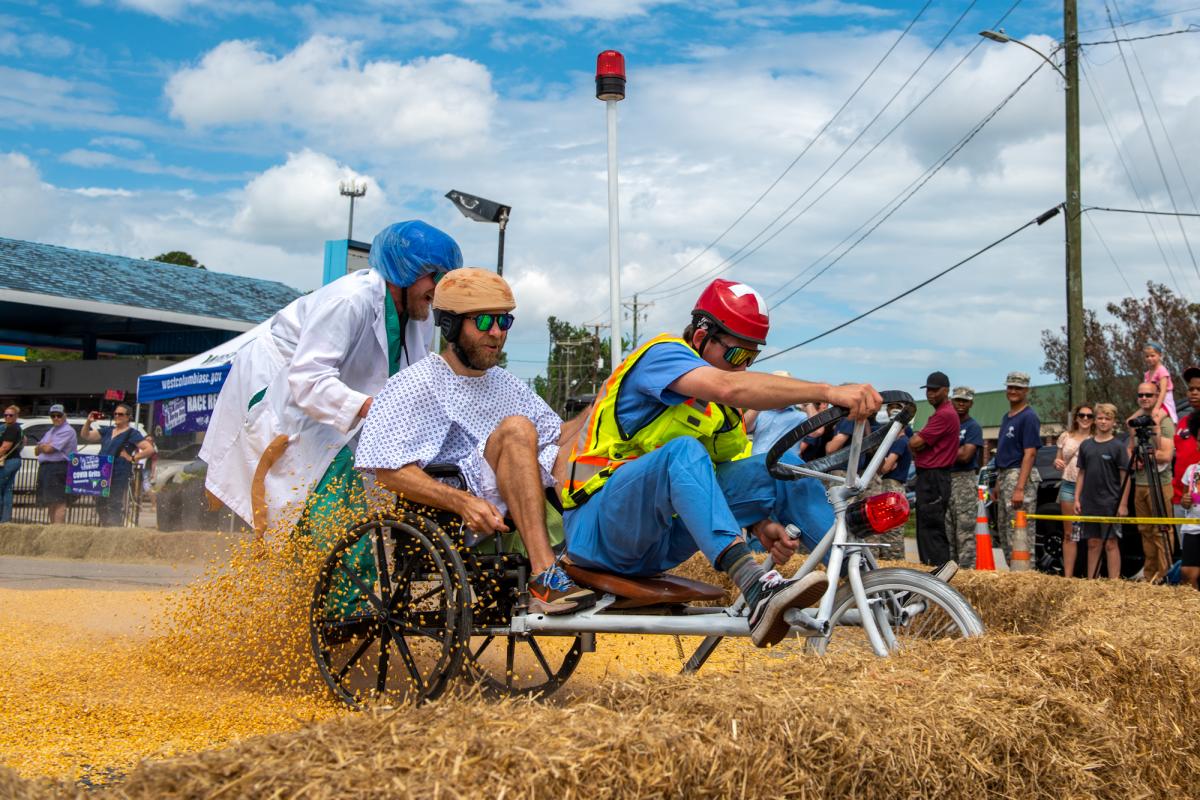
<point x="1068" y="449"/>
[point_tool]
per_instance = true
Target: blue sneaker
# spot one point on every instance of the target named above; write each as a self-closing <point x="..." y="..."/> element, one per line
<point x="553" y="592"/>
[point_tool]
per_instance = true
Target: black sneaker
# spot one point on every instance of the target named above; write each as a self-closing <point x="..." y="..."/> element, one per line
<point x="553" y="592"/>
<point x="946" y="572"/>
<point x="767" y="625"/>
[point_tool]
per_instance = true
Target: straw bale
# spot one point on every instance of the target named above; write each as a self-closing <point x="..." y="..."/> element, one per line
<point x="1080" y="689"/>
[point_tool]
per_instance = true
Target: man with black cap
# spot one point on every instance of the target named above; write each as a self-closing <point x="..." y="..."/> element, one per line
<point x="934" y="449"/>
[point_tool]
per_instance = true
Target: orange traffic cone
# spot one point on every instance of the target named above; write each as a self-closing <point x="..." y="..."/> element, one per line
<point x="983" y="539"/>
<point x="1020" y="548"/>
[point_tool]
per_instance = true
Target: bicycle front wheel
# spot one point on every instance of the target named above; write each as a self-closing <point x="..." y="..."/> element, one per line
<point x="908" y="605"/>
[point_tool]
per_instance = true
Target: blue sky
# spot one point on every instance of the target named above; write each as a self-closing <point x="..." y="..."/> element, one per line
<point x="222" y="128"/>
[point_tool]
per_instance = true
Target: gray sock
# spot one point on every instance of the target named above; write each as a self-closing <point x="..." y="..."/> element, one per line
<point x="737" y="562"/>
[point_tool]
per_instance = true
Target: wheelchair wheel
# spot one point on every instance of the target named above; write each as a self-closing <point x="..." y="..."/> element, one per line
<point x="507" y="664"/>
<point x="523" y="665"/>
<point x="390" y="613"/>
<point x="909" y="606"/>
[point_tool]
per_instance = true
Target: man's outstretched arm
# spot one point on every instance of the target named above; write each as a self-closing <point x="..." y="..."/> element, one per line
<point x="761" y="391"/>
<point x="412" y="483"/>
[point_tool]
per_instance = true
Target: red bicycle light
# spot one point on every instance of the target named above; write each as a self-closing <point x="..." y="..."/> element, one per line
<point x="878" y="514"/>
<point x="610" y="76"/>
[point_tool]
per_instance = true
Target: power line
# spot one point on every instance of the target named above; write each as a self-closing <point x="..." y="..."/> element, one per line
<point x="1038" y="220"/>
<point x="1154" y="104"/>
<point x="1188" y="29"/>
<point x="1111" y="258"/>
<point x="729" y="262"/>
<point x="805" y="150"/>
<point x="1147" y="19"/>
<point x="1142" y="211"/>
<point x="1153" y="147"/>
<point x="919" y="184"/>
<point x="1129" y="174"/>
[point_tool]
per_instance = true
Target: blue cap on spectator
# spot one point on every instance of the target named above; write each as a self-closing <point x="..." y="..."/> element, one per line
<point x="57" y="408"/>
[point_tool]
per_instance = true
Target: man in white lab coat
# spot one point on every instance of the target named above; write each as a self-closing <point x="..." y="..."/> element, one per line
<point x="285" y="425"/>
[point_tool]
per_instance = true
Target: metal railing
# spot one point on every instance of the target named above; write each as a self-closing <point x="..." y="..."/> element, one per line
<point x="81" y="509"/>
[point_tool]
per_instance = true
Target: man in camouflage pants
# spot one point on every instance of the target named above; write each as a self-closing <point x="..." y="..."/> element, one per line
<point x="964" y="479"/>
<point x="1016" y="477"/>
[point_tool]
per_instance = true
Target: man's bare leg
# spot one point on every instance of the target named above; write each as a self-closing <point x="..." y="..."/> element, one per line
<point x="512" y="452"/>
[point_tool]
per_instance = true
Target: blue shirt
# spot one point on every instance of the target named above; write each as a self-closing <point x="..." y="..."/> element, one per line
<point x="970" y="432"/>
<point x="904" y="457"/>
<point x="770" y="427"/>
<point x="644" y="392"/>
<point x="846" y="426"/>
<point x="1016" y="435"/>
<point x="125" y="442"/>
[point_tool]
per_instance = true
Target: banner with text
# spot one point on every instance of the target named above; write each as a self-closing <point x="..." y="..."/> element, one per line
<point x="89" y="475"/>
<point x="189" y="414"/>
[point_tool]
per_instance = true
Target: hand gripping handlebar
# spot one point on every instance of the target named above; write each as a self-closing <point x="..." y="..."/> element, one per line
<point x="829" y="416"/>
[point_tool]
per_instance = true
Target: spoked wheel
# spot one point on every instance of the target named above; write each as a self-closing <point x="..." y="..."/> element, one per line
<point x="523" y="665"/>
<point x="390" y="613"/>
<point x="507" y="664"/>
<point x="908" y="606"/>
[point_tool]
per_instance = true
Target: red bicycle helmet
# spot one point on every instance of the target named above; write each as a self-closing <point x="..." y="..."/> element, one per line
<point x="735" y="308"/>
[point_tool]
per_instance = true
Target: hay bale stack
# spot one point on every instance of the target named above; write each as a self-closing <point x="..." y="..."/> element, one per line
<point x="1080" y="689"/>
<point x="1012" y="715"/>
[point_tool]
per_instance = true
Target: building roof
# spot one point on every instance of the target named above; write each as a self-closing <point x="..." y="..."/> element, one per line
<point x="990" y="407"/>
<point x="60" y="277"/>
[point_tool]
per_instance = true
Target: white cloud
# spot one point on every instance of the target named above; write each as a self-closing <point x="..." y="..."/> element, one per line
<point x="146" y="165"/>
<point x="297" y="205"/>
<point x="321" y="90"/>
<point x="142" y="223"/>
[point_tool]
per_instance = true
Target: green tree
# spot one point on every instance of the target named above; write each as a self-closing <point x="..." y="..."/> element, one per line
<point x="1113" y="350"/>
<point x="179" y="257"/>
<point x="578" y="362"/>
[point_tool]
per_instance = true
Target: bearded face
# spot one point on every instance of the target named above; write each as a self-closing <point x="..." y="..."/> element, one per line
<point x="483" y="348"/>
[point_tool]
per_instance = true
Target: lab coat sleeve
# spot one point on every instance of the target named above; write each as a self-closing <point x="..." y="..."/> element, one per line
<point x="314" y="376"/>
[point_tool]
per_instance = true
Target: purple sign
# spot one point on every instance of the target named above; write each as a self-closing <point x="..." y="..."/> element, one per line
<point x="89" y="474"/>
<point x="189" y="414"/>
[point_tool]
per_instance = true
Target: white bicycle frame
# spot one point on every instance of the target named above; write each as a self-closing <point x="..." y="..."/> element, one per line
<point x="733" y="620"/>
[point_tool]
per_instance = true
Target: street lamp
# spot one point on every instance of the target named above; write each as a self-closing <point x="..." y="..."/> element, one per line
<point x="352" y="189"/>
<point x="1076" y="374"/>
<point x="481" y="210"/>
<point x="1003" y="38"/>
<point x="610" y="87"/>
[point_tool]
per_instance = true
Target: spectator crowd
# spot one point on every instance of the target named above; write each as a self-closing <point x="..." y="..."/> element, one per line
<point x="52" y="454"/>
<point x="1108" y="469"/>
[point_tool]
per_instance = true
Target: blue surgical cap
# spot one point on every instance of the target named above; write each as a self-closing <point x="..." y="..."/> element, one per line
<point x="404" y="251"/>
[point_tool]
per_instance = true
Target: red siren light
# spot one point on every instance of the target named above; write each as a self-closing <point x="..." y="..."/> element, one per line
<point x="878" y="514"/>
<point x="610" y="76"/>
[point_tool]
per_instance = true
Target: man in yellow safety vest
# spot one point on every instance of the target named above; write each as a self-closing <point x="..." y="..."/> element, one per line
<point x="661" y="468"/>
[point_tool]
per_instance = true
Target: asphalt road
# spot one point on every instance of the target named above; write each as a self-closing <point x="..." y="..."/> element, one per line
<point x="53" y="573"/>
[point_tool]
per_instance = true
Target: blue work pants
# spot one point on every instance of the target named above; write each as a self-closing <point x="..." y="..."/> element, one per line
<point x="659" y="509"/>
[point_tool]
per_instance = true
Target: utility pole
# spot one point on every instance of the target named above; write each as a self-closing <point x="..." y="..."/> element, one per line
<point x="597" y="360"/>
<point x="1075" y="338"/>
<point x="633" y="307"/>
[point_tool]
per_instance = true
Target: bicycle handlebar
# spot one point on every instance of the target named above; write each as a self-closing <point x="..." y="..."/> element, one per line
<point x="828" y="417"/>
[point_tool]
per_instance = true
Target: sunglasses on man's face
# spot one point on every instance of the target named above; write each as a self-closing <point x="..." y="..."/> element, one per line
<point x="1147" y="394"/>
<point x="6" y="416"/>
<point x="120" y="414"/>
<point x="484" y="322"/>
<point x="737" y="356"/>
<point x="56" y="416"/>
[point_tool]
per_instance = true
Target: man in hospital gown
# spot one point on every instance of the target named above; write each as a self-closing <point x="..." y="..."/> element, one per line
<point x="295" y="397"/>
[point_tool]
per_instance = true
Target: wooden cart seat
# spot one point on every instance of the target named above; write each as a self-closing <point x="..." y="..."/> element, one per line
<point x="640" y="592"/>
